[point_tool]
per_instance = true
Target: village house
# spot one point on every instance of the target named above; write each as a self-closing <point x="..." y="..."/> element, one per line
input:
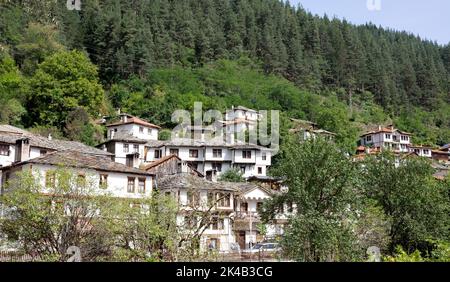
<point x="17" y="145"/>
<point x="251" y="160"/>
<point x="130" y="147"/>
<point x="104" y="175"/>
<point x="309" y="130"/>
<point x="387" y="138"/>
<point x="422" y="151"/>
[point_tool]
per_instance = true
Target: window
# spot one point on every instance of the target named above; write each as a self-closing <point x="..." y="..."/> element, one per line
<point x="404" y="138"/>
<point x="211" y="199"/>
<point x="42" y="152"/>
<point x="417" y="151"/>
<point x="126" y="148"/>
<point x="130" y="161"/>
<point x="426" y="152"/>
<point x="224" y="199"/>
<point x="136" y="148"/>
<point x="244" y="207"/>
<point x="259" y="170"/>
<point x="158" y="154"/>
<point x="388" y="136"/>
<point x="50" y="179"/>
<point x="130" y="186"/>
<point x="217" y="167"/>
<point x="193" y="153"/>
<point x="259" y="206"/>
<point x="242" y="168"/>
<point x="141" y="187"/>
<point x="4" y="150"/>
<point x="217" y="223"/>
<point x="264" y="156"/>
<point x="190" y="222"/>
<point x="174" y="152"/>
<point x="103" y="181"/>
<point x="368" y="138"/>
<point x="193" y="199"/>
<point x="81" y="180"/>
<point x="246" y="154"/>
<point x="213" y="244"/>
<point x="217" y="153"/>
<point x="141" y="130"/>
<point x="149" y="131"/>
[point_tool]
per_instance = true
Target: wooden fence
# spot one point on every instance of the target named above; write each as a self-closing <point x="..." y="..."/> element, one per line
<point x="6" y="256"/>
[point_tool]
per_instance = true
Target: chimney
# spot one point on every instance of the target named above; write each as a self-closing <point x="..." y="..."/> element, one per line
<point x="50" y="136"/>
<point x="379" y="127"/>
<point x="22" y="150"/>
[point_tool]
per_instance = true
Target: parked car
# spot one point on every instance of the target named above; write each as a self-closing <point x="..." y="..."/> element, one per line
<point x="264" y="249"/>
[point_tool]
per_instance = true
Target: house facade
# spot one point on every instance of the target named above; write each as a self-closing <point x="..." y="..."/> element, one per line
<point x="387" y="138"/>
<point x="129" y="146"/>
<point x="104" y="176"/>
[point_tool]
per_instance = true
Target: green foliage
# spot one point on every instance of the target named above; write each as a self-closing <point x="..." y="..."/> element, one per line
<point x="417" y="204"/>
<point x="12" y="90"/>
<point x="63" y="82"/>
<point x="323" y="189"/>
<point x="46" y="225"/>
<point x="38" y="42"/>
<point x="80" y="128"/>
<point x="232" y="175"/>
<point x="440" y="252"/>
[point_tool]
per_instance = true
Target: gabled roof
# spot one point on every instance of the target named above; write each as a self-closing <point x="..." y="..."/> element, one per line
<point x="133" y="120"/>
<point x="80" y="160"/>
<point x="386" y="130"/>
<point x="445" y="147"/>
<point x="192" y="182"/>
<point x="242" y="108"/>
<point x="124" y="136"/>
<point x="38" y="141"/>
<point x="159" y="162"/>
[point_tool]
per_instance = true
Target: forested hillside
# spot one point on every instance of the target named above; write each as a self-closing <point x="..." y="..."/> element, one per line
<point x="149" y="57"/>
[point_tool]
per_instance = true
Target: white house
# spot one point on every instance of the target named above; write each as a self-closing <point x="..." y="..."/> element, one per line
<point x="387" y="138"/>
<point x="208" y="199"/>
<point x="251" y="160"/>
<point x="105" y="176"/>
<point x="17" y="145"/>
<point x="246" y="221"/>
<point x="133" y="126"/>
<point x="422" y="151"/>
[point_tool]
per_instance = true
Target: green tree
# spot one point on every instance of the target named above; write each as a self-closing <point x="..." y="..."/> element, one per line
<point x="63" y="82"/>
<point x="232" y="175"/>
<point x="12" y="87"/>
<point x="46" y="225"/>
<point x="417" y="204"/>
<point x="38" y="42"/>
<point x="323" y="192"/>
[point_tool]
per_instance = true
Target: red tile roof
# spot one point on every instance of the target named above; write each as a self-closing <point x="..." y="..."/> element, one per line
<point x="134" y="120"/>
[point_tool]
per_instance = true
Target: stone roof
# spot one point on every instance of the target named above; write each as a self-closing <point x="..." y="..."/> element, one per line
<point x="81" y="160"/>
<point x="191" y="182"/>
<point x="8" y="136"/>
<point x="124" y="136"/>
<point x="188" y="142"/>
<point x="133" y="120"/>
<point x="158" y="162"/>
